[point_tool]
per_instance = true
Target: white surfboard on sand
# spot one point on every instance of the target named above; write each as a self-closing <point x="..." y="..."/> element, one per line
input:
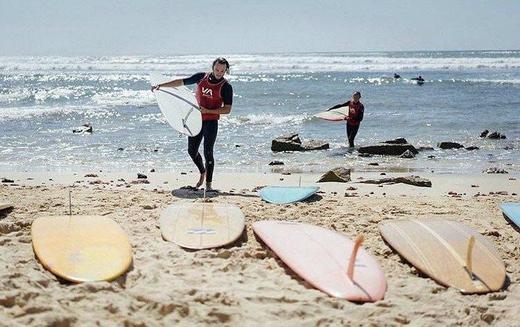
<point x="201" y="225"/>
<point x="178" y="106"/>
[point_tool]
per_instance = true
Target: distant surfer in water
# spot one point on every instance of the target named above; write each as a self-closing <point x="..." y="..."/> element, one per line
<point x="214" y="95"/>
<point x="354" y="117"/>
<point x="419" y="80"/>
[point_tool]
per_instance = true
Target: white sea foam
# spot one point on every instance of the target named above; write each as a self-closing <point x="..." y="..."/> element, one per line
<point x="272" y="63"/>
<point x="267" y="120"/>
<point x="33" y="111"/>
<point x="121" y="97"/>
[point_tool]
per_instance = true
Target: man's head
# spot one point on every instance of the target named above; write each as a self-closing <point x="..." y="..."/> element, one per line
<point x="356" y="96"/>
<point x="220" y="67"/>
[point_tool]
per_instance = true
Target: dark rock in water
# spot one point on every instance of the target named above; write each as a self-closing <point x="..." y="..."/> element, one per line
<point x="431" y="157"/>
<point x="286" y="143"/>
<point x="140" y="181"/>
<point x="7" y="180"/>
<point x="91" y="175"/>
<point x="120" y="149"/>
<point x="152" y="170"/>
<point x="293" y="143"/>
<point x="339" y="174"/>
<point x="450" y="145"/>
<point x="484" y="133"/>
<point x="496" y="135"/>
<point x="85" y="128"/>
<point x="495" y="170"/>
<point x="276" y="163"/>
<point x="509" y="147"/>
<point x="388" y="149"/>
<point x="141" y="176"/>
<point x="373" y="164"/>
<point x="315" y="145"/>
<point x="399" y="140"/>
<point x="425" y="148"/>
<point x="407" y="154"/>
<point x="471" y="148"/>
<point x="411" y="180"/>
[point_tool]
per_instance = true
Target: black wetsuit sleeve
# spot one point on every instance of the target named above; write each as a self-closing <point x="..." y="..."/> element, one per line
<point x="339" y="105"/>
<point x="227" y="94"/>
<point x="194" y="79"/>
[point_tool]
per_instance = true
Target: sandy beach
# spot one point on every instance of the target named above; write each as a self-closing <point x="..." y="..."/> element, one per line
<point x="245" y="283"/>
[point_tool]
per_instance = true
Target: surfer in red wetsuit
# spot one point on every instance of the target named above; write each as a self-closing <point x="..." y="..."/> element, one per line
<point x="214" y="95"/>
<point x="355" y="116"/>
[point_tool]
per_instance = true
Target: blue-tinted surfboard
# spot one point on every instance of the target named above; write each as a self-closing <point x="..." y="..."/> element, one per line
<point x="512" y="211"/>
<point x="287" y="194"/>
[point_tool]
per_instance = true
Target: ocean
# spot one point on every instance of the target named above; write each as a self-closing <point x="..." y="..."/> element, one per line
<point x="42" y="99"/>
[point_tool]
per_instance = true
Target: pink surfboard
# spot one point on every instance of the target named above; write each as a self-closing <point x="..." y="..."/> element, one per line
<point x="322" y="258"/>
<point x="337" y="114"/>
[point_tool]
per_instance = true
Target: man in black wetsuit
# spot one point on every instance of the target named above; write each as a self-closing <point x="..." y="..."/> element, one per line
<point x="356" y="111"/>
<point x="214" y="95"/>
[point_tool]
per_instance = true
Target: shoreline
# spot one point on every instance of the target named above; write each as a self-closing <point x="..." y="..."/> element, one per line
<point x="442" y="184"/>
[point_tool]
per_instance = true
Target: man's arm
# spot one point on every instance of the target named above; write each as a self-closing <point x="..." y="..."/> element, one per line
<point x="339" y="105"/>
<point x="181" y="81"/>
<point x="226" y="109"/>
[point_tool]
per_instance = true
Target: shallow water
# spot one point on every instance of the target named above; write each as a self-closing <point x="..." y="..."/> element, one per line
<point x="43" y="98"/>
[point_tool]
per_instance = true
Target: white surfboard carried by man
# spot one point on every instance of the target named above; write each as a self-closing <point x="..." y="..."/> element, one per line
<point x="178" y="105"/>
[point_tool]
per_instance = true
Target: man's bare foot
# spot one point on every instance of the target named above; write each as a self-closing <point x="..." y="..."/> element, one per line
<point x="208" y="186"/>
<point x="201" y="180"/>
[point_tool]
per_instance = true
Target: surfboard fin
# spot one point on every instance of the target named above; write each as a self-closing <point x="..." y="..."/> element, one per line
<point x="352" y="260"/>
<point x="469" y="256"/>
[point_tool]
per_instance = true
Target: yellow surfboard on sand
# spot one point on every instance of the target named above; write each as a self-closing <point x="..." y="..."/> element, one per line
<point x="81" y="248"/>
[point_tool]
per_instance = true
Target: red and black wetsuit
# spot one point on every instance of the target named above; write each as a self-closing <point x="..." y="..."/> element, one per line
<point x="355" y="116"/>
<point x="211" y="93"/>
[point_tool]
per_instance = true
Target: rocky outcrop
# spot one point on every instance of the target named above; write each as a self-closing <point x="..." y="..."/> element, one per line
<point x="494" y="135"/>
<point x="407" y="154"/>
<point x="388" y="149"/>
<point x="85" y="128"/>
<point x="276" y="163"/>
<point x="495" y="170"/>
<point x="339" y="174"/>
<point x="400" y="140"/>
<point x="293" y="142"/>
<point x="450" y="145"/>
<point x="410" y="180"/>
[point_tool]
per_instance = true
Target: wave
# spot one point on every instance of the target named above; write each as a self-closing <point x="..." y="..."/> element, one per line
<point x="268" y="120"/>
<point x="273" y="63"/>
<point x="139" y="98"/>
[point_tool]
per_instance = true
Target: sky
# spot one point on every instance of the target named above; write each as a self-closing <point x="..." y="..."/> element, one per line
<point x="139" y="27"/>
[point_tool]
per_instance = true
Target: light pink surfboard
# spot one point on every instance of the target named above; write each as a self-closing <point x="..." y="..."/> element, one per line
<point x="321" y="257"/>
